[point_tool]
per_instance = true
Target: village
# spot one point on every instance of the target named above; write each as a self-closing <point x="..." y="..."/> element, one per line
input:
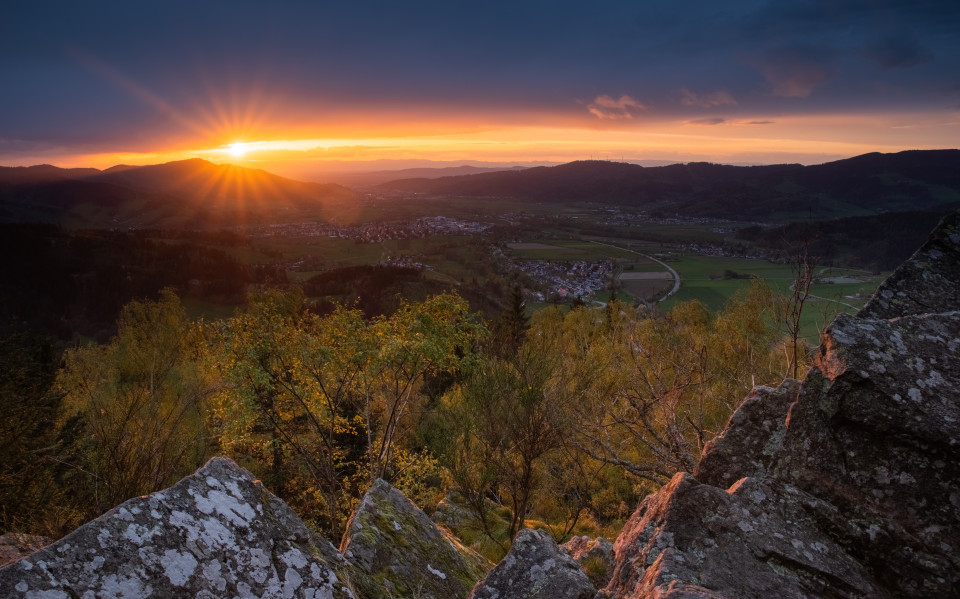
<point x="419" y="228"/>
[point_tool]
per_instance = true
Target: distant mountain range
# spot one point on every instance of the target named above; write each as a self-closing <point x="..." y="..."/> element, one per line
<point x="198" y="194"/>
<point x="188" y="193"/>
<point x="864" y="185"/>
<point x="371" y="178"/>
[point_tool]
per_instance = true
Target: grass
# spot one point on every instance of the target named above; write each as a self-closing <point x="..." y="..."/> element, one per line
<point x="702" y="280"/>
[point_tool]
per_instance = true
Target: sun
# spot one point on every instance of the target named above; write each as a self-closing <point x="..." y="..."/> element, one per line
<point x="237" y="149"/>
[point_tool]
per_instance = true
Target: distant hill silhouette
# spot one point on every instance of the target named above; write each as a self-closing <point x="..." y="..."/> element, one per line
<point x="372" y="178"/>
<point x="42" y="173"/>
<point x="188" y="193"/>
<point x="864" y="185"/>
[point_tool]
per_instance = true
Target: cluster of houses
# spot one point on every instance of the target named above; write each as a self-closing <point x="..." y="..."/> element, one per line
<point x="376" y="232"/>
<point x="558" y="281"/>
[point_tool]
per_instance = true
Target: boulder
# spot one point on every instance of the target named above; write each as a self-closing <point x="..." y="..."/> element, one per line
<point x="216" y="533"/>
<point x="927" y="283"/>
<point x="14" y="546"/>
<point x="595" y="556"/>
<point x="752" y="437"/>
<point x="846" y="486"/>
<point x="395" y="550"/>
<point x="452" y="511"/>
<point x="876" y="433"/>
<point x="759" y="538"/>
<point x="535" y="568"/>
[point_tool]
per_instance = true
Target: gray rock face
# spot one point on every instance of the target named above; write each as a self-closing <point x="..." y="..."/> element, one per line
<point x="851" y="491"/>
<point x="759" y="538"/>
<point x="595" y="556"/>
<point x="927" y="283"/>
<point x="395" y="550"/>
<point x="217" y="533"/>
<point x="535" y="568"/>
<point x="752" y="437"/>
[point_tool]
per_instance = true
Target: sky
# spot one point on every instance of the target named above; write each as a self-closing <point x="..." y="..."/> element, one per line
<point x="299" y="87"/>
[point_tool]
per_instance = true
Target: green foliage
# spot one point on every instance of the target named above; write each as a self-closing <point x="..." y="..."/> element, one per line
<point x="591" y="395"/>
<point x="139" y="403"/>
<point x="322" y="405"/>
<point x="31" y="498"/>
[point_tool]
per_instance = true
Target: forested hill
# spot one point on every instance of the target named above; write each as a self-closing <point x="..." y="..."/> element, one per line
<point x="193" y="193"/>
<point x="864" y="185"/>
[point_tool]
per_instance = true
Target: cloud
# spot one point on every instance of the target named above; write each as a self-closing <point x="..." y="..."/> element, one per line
<point x="717" y="98"/>
<point x="759" y="122"/>
<point x="605" y="107"/>
<point x="897" y="51"/>
<point x="794" y="72"/>
<point x="708" y="121"/>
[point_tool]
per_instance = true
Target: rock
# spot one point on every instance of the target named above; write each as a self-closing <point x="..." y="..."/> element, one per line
<point x="929" y="282"/>
<point x="850" y="490"/>
<point x="452" y="511"/>
<point x="759" y="538"/>
<point x="14" y="546"/>
<point x="752" y="437"/>
<point x="395" y="550"/>
<point x="876" y="433"/>
<point x="595" y="557"/>
<point x="217" y="533"/>
<point x="535" y="568"/>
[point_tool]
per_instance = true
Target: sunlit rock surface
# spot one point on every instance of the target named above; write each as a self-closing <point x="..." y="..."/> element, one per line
<point x="217" y="533"/>
<point x="535" y="568"/>
<point x="595" y="557"/>
<point x="855" y="492"/>
<point x="393" y="549"/>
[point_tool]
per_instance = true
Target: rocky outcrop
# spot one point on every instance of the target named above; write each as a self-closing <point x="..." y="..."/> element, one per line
<point x="595" y="556"/>
<point x="217" y="533"/>
<point x="14" y="546"/>
<point x="395" y="550"/>
<point x="851" y="490"/>
<point x="752" y="437"/>
<point x="535" y="568"/>
<point x="927" y="283"/>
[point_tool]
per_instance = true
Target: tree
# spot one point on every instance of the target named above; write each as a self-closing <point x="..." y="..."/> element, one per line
<point x="141" y="401"/>
<point x="804" y="266"/>
<point x="31" y="500"/>
<point x="508" y="427"/>
<point x="292" y="402"/>
<point x="327" y="402"/>
<point x="436" y="336"/>
<point x="654" y="389"/>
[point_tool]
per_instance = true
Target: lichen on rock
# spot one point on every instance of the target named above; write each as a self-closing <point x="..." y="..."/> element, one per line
<point x="847" y="486"/>
<point x="535" y="568"/>
<point x="216" y="533"/>
<point x="393" y="549"/>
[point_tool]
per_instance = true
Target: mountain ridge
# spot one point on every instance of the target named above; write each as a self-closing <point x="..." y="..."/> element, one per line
<point x="866" y="184"/>
<point x="192" y="192"/>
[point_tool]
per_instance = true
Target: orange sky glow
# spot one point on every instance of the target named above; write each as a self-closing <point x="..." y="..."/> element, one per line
<point x="300" y="89"/>
<point x="289" y="151"/>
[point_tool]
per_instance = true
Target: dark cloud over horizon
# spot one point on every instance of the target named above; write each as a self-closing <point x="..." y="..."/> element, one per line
<point x="97" y="72"/>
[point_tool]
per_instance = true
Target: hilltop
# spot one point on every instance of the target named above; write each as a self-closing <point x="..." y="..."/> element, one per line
<point x="860" y="186"/>
<point x="191" y="193"/>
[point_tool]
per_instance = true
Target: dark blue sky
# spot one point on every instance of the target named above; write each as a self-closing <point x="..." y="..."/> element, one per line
<point x="101" y="77"/>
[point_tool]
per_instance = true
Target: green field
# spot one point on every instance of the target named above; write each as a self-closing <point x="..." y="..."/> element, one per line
<point x="703" y="279"/>
<point x="573" y="249"/>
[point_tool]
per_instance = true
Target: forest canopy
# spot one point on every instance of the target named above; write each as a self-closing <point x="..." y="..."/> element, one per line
<point x="564" y="419"/>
